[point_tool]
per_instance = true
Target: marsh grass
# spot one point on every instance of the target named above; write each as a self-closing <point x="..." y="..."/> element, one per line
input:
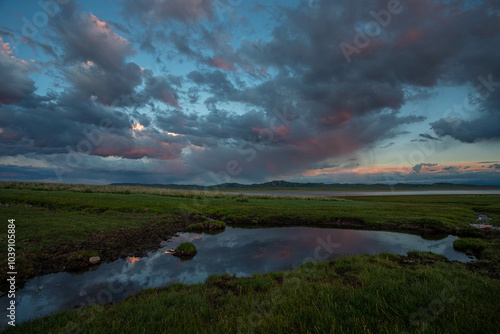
<point x="126" y="190"/>
<point x="207" y="225"/>
<point x="361" y="294"/>
<point x="378" y="294"/>
<point x="47" y="218"/>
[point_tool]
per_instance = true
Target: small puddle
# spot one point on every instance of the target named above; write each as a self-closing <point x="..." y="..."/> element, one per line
<point x="238" y="251"/>
<point x="483" y="222"/>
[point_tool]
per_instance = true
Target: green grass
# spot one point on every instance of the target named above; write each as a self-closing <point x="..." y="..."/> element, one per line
<point x="438" y="211"/>
<point x="186" y="247"/>
<point x="470" y="245"/>
<point x="362" y="294"/>
<point x="48" y="218"/>
<point x="486" y="249"/>
<point x="44" y="231"/>
<point x="207" y="225"/>
<point x="383" y="293"/>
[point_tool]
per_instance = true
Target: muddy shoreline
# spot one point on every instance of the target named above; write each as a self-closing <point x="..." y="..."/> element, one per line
<point x="126" y="242"/>
<point x="121" y="243"/>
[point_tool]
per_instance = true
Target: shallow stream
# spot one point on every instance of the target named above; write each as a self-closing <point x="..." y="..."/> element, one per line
<point x="239" y="251"/>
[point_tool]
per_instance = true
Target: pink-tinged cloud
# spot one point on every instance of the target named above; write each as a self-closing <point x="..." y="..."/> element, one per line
<point x="142" y="144"/>
<point x="329" y="144"/>
<point x="375" y="45"/>
<point x="338" y="119"/>
<point x="430" y="169"/>
<point x="5" y="48"/>
<point x="100" y="30"/>
<point x="273" y="133"/>
<point x="281" y="130"/>
<point x="257" y="72"/>
<point x="137" y="127"/>
<point x="409" y="37"/>
<point x="170" y="98"/>
<point x="277" y="252"/>
<point x="85" y="37"/>
<point x="222" y="64"/>
<point x="8" y="134"/>
<point x="8" y="174"/>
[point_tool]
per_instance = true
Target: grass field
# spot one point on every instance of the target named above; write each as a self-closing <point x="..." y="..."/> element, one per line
<point x="58" y="224"/>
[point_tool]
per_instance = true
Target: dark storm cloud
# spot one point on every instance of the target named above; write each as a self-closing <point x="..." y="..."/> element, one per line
<point x="51" y="127"/>
<point x="159" y="88"/>
<point x="108" y="86"/>
<point x="421" y="46"/>
<point x="79" y="119"/>
<point x="76" y="128"/>
<point x="388" y="145"/>
<point x="86" y="38"/>
<point x="159" y="11"/>
<point x="15" y="85"/>
<point x="418" y="168"/>
<point x="193" y="95"/>
<point x="494" y="166"/>
<point x="482" y="128"/>
<point x="428" y="136"/>
<point x="216" y="81"/>
<point x="214" y="128"/>
<point x="451" y="169"/>
<point x="264" y="152"/>
<point x="96" y="56"/>
<point x="99" y="173"/>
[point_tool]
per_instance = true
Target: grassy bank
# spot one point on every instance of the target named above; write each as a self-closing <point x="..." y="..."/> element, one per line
<point x="207" y="226"/>
<point x="361" y="294"/>
<point x="440" y="211"/>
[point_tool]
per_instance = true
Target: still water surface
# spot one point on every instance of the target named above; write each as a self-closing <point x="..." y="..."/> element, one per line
<point x="324" y="193"/>
<point x="238" y="251"/>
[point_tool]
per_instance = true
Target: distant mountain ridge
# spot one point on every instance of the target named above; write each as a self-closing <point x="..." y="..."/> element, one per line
<point x="285" y="185"/>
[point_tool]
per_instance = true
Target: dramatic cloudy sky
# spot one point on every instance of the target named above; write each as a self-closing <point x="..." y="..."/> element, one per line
<point x="212" y="91"/>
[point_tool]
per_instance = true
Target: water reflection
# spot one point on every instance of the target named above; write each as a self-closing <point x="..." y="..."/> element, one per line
<point x="236" y="251"/>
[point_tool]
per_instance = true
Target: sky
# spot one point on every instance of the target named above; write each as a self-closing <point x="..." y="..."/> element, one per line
<point x="214" y="91"/>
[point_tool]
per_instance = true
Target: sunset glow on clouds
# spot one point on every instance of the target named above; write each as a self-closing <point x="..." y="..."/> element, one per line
<point x="204" y="91"/>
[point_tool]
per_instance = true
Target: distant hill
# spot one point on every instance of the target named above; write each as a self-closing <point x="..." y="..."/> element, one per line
<point x="290" y="186"/>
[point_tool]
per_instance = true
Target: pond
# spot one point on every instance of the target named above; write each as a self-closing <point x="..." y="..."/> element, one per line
<point x="239" y="251"/>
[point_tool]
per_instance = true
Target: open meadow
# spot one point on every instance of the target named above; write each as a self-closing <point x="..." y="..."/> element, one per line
<point x="59" y="227"/>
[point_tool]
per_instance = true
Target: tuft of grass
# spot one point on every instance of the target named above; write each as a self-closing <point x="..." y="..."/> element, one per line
<point x="186" y="249"/>
<point x="470" y="245"/>
<point x="207" y="225"/>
